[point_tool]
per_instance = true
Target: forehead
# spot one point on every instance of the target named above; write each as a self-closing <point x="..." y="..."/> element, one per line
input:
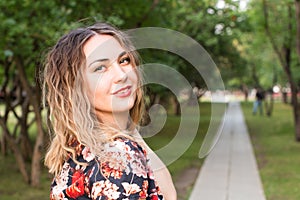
<point x="102" y="47"/>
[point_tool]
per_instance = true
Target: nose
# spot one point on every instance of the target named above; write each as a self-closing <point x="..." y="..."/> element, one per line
<point x="119" y="73"/>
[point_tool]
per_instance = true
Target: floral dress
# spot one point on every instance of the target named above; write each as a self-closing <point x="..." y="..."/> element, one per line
<point x="125" y="175"/>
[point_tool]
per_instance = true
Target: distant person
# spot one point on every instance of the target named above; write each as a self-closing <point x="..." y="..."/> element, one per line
<point x="258" y="103"/>
<point x="92" y="86"/>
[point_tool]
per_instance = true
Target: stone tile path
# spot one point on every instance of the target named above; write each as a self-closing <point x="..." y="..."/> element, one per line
<point x="230" y="170"/>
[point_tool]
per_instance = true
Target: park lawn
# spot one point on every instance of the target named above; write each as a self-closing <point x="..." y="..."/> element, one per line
<point x="13" y="187"/>
<point x="276" y="151"/>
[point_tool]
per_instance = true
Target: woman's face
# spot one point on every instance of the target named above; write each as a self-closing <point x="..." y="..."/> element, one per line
<point x="110" y="75"/>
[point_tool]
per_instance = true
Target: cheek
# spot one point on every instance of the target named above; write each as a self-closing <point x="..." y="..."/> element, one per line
<point x="96" y="88"/>
<point x="136" y="86"/>
<point x="133" y="77"/>
<point x="91" y="87"/>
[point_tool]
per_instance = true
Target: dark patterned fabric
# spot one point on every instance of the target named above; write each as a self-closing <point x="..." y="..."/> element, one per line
<point x="124" y="175"/>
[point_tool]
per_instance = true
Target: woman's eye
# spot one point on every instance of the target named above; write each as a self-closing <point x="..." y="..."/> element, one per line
<point x="100" y="68"/>
<point x="125" y="61"/>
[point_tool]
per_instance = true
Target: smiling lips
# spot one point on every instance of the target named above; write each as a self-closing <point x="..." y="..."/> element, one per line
<point x="123" y="92"/>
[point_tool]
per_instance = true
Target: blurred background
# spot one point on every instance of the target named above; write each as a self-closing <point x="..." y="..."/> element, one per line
<point x="254" y="43"/>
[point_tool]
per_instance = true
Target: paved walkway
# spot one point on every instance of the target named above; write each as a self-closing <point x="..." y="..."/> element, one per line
<point x="230" y="170"/>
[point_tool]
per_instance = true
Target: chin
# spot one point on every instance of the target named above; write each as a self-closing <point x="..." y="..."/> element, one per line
<point x="124" y="106"/>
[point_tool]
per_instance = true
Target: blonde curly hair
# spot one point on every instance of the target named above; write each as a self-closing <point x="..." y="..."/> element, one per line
<point x="64" y="95"/>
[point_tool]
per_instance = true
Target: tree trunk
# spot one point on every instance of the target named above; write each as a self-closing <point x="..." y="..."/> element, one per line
<point x="17" y="153"/>
<point x="195" y="95"/>
<point x="25" y="145"/>
<point x="38" y="149"/>
<point x="19" y="158"/>
<point x="3" y="145"/>
<point x="297" y="126"/>
<point x="297" y="5"/>
<point x="284" y="97"/>
<point x="254" y="76"/>
<point x="34" y="97"/>
<point x="295" y="100"/>
<point x="3" y="118"/>
<point x="245" y="91"/>
<point x="269" y="104"/>
<point x="294" y="91"/>
<point x="146" y="15"/>
<point x="10" y="105"/>
<point x="175" y="105"/>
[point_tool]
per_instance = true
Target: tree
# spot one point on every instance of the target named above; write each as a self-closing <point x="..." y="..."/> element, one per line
<point x="20" y="45"/>
<point x="283" y="46"/>
<point x="296" y="104"/>
<point x="218" y="30"/>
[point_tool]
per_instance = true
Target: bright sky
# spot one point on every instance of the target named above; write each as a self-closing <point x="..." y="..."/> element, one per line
<point x="243" y="4"/>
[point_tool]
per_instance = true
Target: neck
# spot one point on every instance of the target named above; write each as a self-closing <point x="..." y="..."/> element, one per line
<point x="115" y="120"/>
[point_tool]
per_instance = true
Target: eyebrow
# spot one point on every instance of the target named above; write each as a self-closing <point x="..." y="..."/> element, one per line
<point x="98" y="60"/>
<point x="106" y="59"/>
<point x="122" y="54"/>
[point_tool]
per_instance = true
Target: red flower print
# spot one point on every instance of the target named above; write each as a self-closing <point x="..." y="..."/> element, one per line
<point x="105" y="189"/>
<point x="108" y="171"/>
<point x="143" y="194"/>
<point x="154" y="197"/>
<point x="77" y="188"/>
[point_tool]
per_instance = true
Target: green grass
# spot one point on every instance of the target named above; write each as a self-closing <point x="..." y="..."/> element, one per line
<point x="12" y="185"/>
<point x="276" y="151"/>
<point x="272" y="137"/>
<point x="190" y="157"/>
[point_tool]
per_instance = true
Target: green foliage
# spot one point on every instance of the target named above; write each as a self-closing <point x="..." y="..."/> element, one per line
<point x="258" y="49"/>
<point x="216" y="29"/>
<point x="235" y="39"/>
<point x="28" y="28"/>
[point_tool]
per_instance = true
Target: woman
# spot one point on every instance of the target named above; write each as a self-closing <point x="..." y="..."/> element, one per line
<point x="93" y="89"/>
